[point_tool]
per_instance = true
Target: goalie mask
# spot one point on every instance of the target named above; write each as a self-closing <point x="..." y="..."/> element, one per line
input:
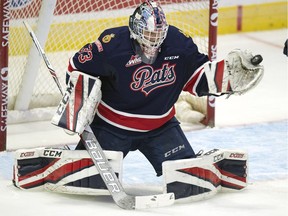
<point x="149" y="28"/>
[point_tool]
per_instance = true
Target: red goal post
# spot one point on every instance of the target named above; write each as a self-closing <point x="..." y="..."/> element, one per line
<point x="4" y="19"/>
<point x="63" y="27"/>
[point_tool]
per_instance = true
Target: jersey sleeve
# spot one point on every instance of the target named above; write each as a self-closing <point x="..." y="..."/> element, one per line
<point x="196" y="82"/>
<point x="90" y="59"/>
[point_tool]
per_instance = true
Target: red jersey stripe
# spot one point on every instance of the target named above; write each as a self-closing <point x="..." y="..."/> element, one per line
<point x="133" y="122"/>
<point x="192" y="83"/>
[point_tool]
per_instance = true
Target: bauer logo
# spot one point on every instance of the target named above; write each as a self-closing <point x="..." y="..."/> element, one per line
<point x="16" y="4"/>
<point x="103" y="166"/>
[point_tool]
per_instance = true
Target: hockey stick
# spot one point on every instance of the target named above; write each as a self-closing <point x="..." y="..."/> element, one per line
<point x="120" y="197"/>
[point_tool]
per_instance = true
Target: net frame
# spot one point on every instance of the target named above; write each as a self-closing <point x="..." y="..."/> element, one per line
<point x="4" y="19"/>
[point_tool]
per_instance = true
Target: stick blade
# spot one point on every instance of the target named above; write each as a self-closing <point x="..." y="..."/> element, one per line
<point x="154" y="201"/>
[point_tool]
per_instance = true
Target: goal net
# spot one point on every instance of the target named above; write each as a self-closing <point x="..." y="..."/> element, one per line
<point x="64" y="26"/>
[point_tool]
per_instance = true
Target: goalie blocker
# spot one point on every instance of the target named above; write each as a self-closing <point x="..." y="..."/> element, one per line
<point x="73" y="172"/>
<point x="79" y="102"/>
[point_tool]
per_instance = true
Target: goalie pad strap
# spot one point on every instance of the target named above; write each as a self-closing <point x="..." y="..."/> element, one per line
<point x="79" y="102"/>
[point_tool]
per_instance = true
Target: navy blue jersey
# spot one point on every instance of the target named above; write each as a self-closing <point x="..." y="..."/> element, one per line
<point x="138" y="96"/>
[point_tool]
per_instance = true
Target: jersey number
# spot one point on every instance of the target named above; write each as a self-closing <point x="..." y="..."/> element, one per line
<point x="85" y="54"/>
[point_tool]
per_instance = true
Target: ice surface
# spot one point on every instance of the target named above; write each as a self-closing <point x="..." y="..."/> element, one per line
<point x="256" y="122"/>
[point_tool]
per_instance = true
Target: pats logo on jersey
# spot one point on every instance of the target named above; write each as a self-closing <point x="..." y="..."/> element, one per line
<point x="134" y="60"/>
<point x="146" y="79"/>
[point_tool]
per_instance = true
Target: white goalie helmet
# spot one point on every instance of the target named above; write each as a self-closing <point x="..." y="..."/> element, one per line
<point x="149" y="28"/>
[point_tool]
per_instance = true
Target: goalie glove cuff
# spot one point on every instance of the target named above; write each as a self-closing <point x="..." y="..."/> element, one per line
<point x="217" y="78"/>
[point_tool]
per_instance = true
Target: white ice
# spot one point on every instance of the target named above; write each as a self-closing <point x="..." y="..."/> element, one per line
<point x="255" y="122"/>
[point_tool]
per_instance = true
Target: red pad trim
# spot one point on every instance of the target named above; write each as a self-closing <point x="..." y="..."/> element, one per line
<point x="204" y="174"/>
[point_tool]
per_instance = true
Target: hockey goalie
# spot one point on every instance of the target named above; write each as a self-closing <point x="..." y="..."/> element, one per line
<point x="124" y="86"/>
